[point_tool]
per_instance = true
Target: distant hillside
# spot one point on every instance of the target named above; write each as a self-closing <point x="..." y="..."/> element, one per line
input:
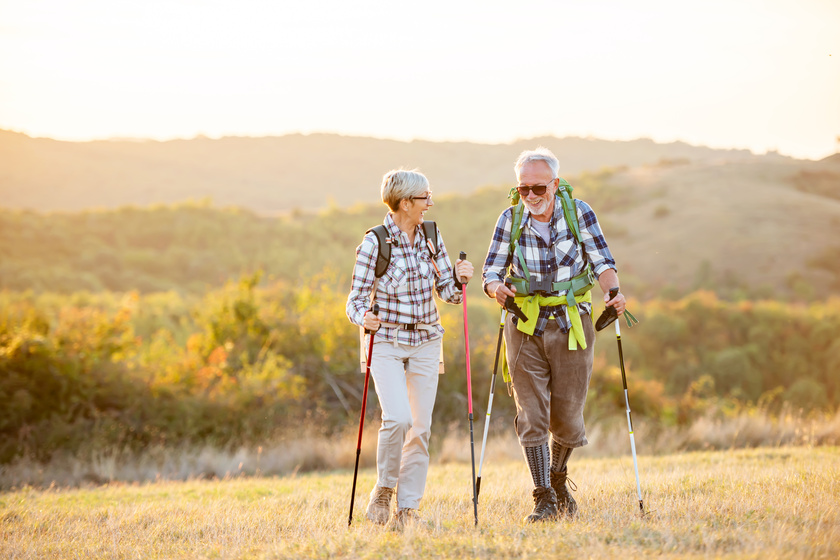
<point x="278" y="174"/>
<point x="754" y="224"/>
<point x="675" y="215"/>
<point x="742" y="229"/>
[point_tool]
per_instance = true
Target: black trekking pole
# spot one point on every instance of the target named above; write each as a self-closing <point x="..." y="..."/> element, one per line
<point x="469" y="393"/>
<point x="605" y="319"/>
<point x="490" y="403"/>
<point x="510" y="306"/>
<point x="362" y="416"/>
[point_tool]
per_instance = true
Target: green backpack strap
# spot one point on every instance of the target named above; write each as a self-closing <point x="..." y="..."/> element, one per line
<point x="516" y="217"/>
<point x="564" y="191"/>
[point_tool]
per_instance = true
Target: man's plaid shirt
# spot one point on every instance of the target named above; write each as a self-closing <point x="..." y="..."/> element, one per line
<point x="560" y="261"/>
<point x="405" y="292"/>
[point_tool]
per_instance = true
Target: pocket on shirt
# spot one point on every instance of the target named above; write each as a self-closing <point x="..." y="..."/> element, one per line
<point x="395" y="276"/>
<point x="566" y="250"/>
<point x="427" y="269"/>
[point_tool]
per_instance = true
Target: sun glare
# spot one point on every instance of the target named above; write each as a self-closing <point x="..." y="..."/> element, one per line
<point x="720" y="74"/>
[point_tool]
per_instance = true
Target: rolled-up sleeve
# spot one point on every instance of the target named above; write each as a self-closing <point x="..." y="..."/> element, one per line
<point x="498" y="255"/>
<point x="445" y="286"/>
<point x="594" y="243"/>
<point x="361" y="284"/>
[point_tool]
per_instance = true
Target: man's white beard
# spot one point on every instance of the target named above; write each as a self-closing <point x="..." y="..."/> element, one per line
<point x="537" y="208"/>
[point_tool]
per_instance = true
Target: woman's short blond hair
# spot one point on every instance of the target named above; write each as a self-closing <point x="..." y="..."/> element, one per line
<point x="399" y="184"/>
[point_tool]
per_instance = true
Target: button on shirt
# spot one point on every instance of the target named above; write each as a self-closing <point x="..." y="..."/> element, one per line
<point x="560" y="260"/>
<point x="405" y="292"/>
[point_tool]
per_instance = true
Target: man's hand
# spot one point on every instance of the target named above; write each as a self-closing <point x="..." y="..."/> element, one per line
<point x="618" y="302"/>
<point x="500" y="291"/>
<point x="608" y="280"/>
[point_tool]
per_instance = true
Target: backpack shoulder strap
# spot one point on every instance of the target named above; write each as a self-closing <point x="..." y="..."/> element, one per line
<point x="383" y="259"/>
<point x="517" y="210"/>
<point x="430" y="231"/>
<point x="564" y="191"/>
<point x="516" y="223"/>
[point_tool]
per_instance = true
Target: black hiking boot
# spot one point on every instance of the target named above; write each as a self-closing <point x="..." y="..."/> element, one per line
<point x="545" y="505"/>
<point x="566" y="504"/>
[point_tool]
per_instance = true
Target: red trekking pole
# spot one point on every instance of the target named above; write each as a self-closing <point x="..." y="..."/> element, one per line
<point x="469" y="392"/>
<point x="362" y="417"/>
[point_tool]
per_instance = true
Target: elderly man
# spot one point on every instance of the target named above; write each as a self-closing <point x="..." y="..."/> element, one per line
<point x="547" y="259"/>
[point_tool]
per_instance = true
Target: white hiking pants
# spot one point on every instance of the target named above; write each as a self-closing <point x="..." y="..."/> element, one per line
<point x="406" y="379"/>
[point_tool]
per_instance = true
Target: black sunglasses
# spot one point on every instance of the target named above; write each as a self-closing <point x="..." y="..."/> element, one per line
<point x="539" y="190"/>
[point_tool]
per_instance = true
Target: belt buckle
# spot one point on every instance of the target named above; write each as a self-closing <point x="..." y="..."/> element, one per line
<point x="541" y="285"/>
<point x="409" y="326"/>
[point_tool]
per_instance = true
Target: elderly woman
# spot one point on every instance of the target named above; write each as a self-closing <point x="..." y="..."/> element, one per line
<point x="406" y="357"/>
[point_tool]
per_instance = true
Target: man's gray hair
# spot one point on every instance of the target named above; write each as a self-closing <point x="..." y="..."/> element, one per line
<point x="540" y="154"/>
<point x="399" y="184"/>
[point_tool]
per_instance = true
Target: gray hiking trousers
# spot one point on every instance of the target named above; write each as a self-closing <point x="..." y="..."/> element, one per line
<point x="550" y="383"/>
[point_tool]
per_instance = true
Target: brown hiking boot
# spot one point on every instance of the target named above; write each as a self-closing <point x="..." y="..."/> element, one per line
<point x="565" y="503"/>
<point x="545" y="505"/>
<point x="405" y="517"/>
<point x="379" y="506"/>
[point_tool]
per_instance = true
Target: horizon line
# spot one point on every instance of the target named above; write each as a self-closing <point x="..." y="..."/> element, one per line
<point x="407" y="140"/>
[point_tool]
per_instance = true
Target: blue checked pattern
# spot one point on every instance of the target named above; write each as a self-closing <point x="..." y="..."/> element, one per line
<point x="405" y="292"/>
<point x="560" y="261"/>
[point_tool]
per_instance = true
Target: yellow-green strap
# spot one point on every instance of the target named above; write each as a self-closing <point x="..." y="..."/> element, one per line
<point x="530" y="305"/>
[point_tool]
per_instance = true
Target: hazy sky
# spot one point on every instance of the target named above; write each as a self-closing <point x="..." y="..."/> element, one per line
<point x="762" y="74"/>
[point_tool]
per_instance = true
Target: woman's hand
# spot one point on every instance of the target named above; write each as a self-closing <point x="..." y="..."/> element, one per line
<point x="463" y="271"/>
<point x="371" y="321"/>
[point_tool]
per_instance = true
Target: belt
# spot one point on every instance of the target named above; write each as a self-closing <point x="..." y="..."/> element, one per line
<point x="411" y="327"/>
<point x="404" y="326"/>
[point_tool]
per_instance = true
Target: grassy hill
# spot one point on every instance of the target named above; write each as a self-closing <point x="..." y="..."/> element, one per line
<point x="750" y="224"/>
<point x="278" y="174"/>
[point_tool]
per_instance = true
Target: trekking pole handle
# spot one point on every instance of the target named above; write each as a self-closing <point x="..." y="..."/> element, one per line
<point x="463" y="257"/>
<point x="613" y="292"/>
<point x="510" y="305"/>
<point x="375" y="312"/>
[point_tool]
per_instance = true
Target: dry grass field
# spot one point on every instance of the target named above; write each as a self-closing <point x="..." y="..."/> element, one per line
<point x="761" y="503"/>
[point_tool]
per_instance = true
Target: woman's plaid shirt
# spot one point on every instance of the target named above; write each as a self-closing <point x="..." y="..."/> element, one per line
<point x="405" y="292"/>
<point x="560" y="261"/>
